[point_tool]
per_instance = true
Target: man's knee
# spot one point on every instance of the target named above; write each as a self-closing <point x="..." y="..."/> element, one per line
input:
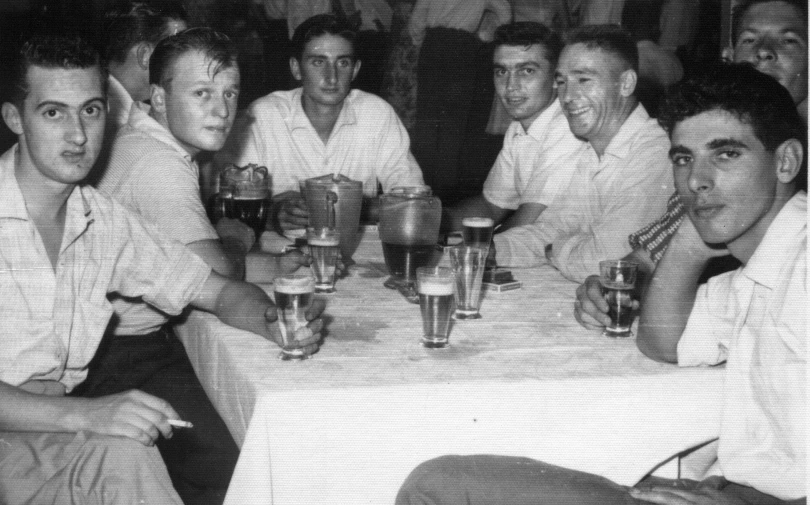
<point x="433" y="481"/>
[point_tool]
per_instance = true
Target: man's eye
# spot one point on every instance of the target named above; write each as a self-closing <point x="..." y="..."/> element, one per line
<point x="231" y="95"/>
<point x="790" y="41"/>
<point x="728" y="154"/>
<point x="746" y="40"/>
<point x="499" y="72"/>
<point x="51" y="113"/>
<point x="202" y="93"/>
<point x="93" y="110"/>
<point x="345" y="63"/>
<point x="316" y="63"/>
<point x="583" y="80"/>
<point x="680" y="161"/>
<point x="527" y="71"/>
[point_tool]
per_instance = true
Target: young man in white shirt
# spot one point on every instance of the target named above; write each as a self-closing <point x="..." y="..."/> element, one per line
<point x="533" y="167"/>
<point x="322" y="127"/>
<point x="738" y="148"/>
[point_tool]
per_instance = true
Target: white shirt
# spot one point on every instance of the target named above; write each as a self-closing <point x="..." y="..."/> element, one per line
<point x="463" y="15"/>
<point x="119" y="102"/>
<point x="606" y="200"/>
<point x="368" y="143"/>
<point x="755" y="319"/>
<point x="533" y="166"/>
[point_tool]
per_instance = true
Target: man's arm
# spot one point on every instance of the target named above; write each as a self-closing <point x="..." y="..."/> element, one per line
<point x="476" y="206"/>
<point x="133" y="414"/>
<point x="670" y="294"/>
<point x="226" y="258"/>
<point x="526" y="213"/>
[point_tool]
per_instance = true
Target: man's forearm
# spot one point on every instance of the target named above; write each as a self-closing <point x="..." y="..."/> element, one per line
<point x="667" y="302"/>
<point x="243" y="305"/>
<point x="24" y="411"/>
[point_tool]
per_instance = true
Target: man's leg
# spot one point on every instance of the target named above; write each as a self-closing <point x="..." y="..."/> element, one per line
<point x="503" y="480"/>
<point x="69" y="468"/>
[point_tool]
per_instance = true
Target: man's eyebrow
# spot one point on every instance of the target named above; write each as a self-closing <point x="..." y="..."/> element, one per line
<point x="581" y="71"/>
<point x="56" y="103"/>
<point x="727" y="142"/>
<point x="675" y="150"/>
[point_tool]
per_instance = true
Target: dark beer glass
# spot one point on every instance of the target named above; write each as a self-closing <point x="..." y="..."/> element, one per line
<point x="618" y="280"/>
<point x="477" y="231"/>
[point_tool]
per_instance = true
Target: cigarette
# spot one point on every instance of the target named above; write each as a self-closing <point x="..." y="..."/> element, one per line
<point x="177" y="423"/>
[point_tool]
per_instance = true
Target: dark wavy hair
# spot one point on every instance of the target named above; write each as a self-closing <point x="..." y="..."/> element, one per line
<point x="529" y="33"/>
<point x="316" y="26"/>
<point x="51" y="51"/>
<point x="754" y="98"/>
<point x="135" y="22"/>
<point x="612" y="39"/>
<point x="217" y="47"/>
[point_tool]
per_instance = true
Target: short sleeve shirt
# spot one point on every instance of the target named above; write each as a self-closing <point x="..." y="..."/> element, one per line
<point x="755" y="319"/>
<point x="52" y="320"/>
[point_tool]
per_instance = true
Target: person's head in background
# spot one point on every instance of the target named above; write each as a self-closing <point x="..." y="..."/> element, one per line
<point x="737" y="153"/>
<point x="324" y="61"/>
<point x="129" y="35"/>
<point x="524" y="61"/>
<point x="596" y="81"/>
<point x="194" y="78"/>
<point x="772" y="36"/>
<point x="57" y="108"/>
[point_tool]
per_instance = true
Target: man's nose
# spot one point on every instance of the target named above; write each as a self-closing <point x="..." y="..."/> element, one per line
<point x="76" y="132"/>
<point x="701" y="177"/>
<point x="766" y="50"/>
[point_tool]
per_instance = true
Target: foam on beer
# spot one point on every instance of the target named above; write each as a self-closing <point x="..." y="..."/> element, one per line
<point x="478" y="222"/>
<point x="436" y="287"/>
<point x="323" y="241"/>
<point x="295" y="285"/>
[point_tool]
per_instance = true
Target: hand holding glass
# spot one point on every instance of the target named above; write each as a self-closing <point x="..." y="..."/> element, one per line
<point x="294" y="295"/>
<point x="618" y="280"/>
<point x="435" y="288"/>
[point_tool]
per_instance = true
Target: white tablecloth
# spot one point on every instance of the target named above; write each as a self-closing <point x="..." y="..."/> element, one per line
<point x="349" y="425"/>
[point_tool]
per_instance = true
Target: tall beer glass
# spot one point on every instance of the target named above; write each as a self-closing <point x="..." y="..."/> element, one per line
<point x="618" y="280"/>
<point x="294" y="294"/>
<point x="324" y="247"/>
<point x="468" y="267"/>
<point x="477" y="231"/>
<point x="435" y="288"/>
<point x="244" y="194"/>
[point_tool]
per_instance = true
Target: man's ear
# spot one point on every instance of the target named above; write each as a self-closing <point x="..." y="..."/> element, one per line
<point x="157" y="98"/>
<point x="789" y="156"/>
<point x="295" y="68"/>
<point x="727" y="54"/>
<point x="12" y="118"/>
<point x="143" y="51"/>
<point x="627" y="82"/>
<point x="357" y="64"/>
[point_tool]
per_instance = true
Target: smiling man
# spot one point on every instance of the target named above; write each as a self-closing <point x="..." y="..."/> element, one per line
<point x="737" y="149"/>
<point x="322" y="127"/>
<point x="531" y="170"/>
<point x="621" y="174"/>
<point x="65" y="247"/>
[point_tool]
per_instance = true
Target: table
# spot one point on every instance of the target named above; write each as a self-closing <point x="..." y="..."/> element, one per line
<point x="349" y="425"/>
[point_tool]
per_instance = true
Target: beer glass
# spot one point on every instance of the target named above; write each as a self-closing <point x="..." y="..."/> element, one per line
<point x="435" y="288"/>
<point x="244" y="194"/>
<point x="324" y="247"/>
<point x="294" y="294"/>
<point x="477" y="231"/>
<point x="618" y="279"/>
<point x="468" y="263"/>
<point x="409" y="232"/>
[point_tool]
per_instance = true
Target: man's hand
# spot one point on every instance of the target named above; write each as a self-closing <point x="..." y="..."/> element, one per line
<point x="235" y="229"/>
<point x="291" y="261"/>
<point x="306" y="338"/>
<point x="707" y="493"/>
<point x="289" y="211"/>
<point x="133" y="414"/>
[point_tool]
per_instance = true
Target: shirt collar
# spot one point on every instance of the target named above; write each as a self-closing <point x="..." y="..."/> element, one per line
<point x="773" y="252"/>
<point x="539" y="127"/>
<point x="79" y="212"/>
<point x="140" y="119"/>
<point x="619" y="145"/>
<point x="298" y="118"/>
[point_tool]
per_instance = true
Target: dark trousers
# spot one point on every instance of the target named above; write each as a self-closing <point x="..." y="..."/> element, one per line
<point x="446" y="84"/>
<point x="200" y="460"/>
<point x="504" y="480"/>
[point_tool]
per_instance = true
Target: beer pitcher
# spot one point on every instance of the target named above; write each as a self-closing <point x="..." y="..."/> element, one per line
<point x="244" y="194"/>
<point x="409" y="232"/>
<point x="346" y="207"/>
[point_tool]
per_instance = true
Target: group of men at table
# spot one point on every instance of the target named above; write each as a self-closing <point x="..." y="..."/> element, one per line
<point x="582" y="168"/>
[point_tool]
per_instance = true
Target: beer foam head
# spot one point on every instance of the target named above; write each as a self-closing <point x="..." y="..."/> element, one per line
<point x="245" y="183"/>
<point x="294" y="284"/>
<point x="478" y="222"/>
<point x="436" y="286"/>
<point x="323" y="237"/>
<point x="323" y="241"/>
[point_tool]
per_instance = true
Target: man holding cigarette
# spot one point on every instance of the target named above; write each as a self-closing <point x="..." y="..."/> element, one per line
<point x="64" y="248"/>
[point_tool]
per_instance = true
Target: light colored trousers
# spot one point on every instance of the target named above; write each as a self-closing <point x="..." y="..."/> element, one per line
<point x="81" y="468"/>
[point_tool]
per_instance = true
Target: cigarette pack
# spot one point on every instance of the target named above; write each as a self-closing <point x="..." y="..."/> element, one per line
<point x="501" y="286"/>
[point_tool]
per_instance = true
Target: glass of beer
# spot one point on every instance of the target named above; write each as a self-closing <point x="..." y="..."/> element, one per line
<point x="244" y="194"/>
<point x="477" y="231"/>
<point x="468" y="263"/>
<point x="435" y="288"/>
<point x="618" y="280"/>
<point x="294" y="294"/>
<point x="324" y="247"/>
